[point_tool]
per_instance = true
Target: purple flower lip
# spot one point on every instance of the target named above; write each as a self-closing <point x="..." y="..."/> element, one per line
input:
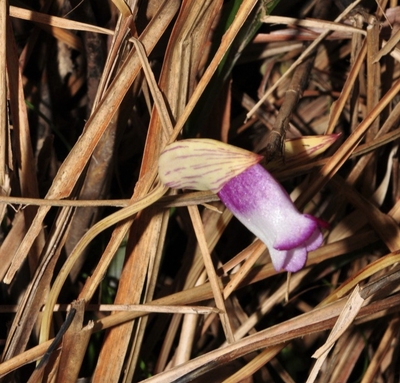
<point x="249" y="191"/>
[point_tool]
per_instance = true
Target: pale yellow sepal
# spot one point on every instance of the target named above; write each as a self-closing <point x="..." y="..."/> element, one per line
<point x="303" y="149"/>
<point x="202" y="164"/>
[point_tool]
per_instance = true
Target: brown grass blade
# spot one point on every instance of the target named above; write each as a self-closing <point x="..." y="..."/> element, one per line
<point x="318" y="319"/>
<point x="348" y="147"/>
<point x="303" y="56"/>
<point x="212" y="276"/>
<point x="3" y="93"/>
<point x="77" y="159"/>
<point x="74" y="346"/>
<point x="345" y="319"/>
<point x="391" y="334"/>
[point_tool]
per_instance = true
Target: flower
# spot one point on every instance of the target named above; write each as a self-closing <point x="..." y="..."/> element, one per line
<point x="252" y="194"/>
<point x="263" y="206"/>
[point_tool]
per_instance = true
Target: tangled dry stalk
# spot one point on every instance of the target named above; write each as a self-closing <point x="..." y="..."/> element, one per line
<point x="106" y="275"/>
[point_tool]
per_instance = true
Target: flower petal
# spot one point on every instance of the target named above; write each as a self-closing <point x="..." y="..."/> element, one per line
<point x="315" y="240"/>
<point x="294" y="260"/>
<point x="298" y="229"/>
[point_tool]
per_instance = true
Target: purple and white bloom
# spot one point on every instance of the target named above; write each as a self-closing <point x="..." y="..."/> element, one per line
<point x="249" y="191"/>
<point x="263" y="206"/>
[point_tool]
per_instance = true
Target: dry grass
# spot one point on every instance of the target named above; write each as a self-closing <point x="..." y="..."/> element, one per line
<point x="167" y="286"/>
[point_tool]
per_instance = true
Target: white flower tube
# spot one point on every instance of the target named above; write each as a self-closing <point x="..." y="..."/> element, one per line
<point x="249" y="191"/>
